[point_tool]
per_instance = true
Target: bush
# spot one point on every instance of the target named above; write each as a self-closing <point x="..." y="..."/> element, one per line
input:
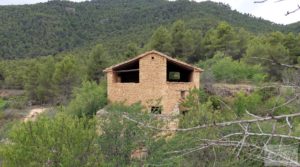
<point x="62" y="141"/>
<point x="18" y="102"/>
<point x="88" y="99"/>
<point x="3" y="104"/>
<point x="227" y="70"/>
<point x="243" y="102"/>
<point x="120" y="137"/>
<point x="263" y="102"/>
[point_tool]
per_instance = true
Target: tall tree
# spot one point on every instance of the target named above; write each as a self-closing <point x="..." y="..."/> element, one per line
<point x="161" y="41"/>
<point x="132" y="50"/>
<point x="188" y="40"/>
<point x="178" y="38"/>
<point x="66" y="76"/>
<point x="98" y="60"/>
<point x="269" y="56"/>
<point x="45" y="92"/>
<point x="222" y="38"/>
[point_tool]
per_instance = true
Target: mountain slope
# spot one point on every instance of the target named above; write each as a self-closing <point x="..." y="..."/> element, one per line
<point x="49" y="28"/>
<point x="294" y="27"/>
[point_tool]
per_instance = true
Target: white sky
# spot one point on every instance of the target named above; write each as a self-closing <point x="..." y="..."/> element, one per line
<point x="270" y="10"/>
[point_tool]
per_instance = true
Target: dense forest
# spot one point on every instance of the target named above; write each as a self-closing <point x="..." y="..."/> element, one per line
<point x="53" y="55"/>
<point x="49" y="28"/>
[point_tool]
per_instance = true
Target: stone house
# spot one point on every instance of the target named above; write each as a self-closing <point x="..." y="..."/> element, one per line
<point x="156" y="80"/>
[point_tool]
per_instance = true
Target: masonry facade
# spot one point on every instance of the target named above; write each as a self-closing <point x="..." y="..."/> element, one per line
<point x="156" y="80"/>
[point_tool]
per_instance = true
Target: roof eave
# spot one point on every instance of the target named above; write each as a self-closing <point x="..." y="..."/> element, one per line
<point x="156" y="52"/>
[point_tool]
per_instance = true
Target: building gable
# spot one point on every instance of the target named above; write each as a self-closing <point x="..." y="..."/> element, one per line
<point x="180" y="63"/>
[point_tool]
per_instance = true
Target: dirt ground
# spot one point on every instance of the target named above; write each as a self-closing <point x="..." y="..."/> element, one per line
<point x="231" y="89"/>
<point x="33" y="113"/>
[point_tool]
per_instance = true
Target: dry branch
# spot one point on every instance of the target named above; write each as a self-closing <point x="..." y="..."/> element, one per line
<point x="221" y="124"/>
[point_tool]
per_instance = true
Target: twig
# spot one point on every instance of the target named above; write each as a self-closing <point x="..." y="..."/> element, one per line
<point x="293" y="11"/>
<point x="255" y="116"/>
<point x="262" y="1"/>
<point x="264" y="134"/>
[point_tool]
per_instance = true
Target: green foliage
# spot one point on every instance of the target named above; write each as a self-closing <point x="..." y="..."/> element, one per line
<point x="13" y="73"/>
<point x="273" y="49"/>
<point x="62" y="141"/>
<point x="66" y="76"/>
<point x="132" y="50"/>
<point x="121" y="136"/>
<point x="263" y="102"/>
<point x="225" y="69"/>
<point x="45" y="79"/>
<point x="251" y="103"/>
<point x="202" y="109"/>
<point x="88" y="99"/>
<point x="161" y="41"/>
<point x="3" y="104"/>
<point x="39" y="84"/>
<point x="49" y="28"/>
<point x="18" y="102"/>
<point x="226" y="39"/>
<point x="178" y="34"/>
<point x="97" y="62"/>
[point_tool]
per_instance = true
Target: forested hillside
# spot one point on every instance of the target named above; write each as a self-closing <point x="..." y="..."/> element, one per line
<point x="49" y="28"/>
<point x="52" y="57"/>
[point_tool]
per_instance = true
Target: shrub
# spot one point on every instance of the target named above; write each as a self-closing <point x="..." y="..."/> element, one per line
<point x="227" y="70"/>
<point x="88" y="99"/>
<point x="62" y="141"/>
<point x="17" y="102"/>
<point x="245" y="102"/>
<point x="3" y="104"/>
<point x="120" y="137"/>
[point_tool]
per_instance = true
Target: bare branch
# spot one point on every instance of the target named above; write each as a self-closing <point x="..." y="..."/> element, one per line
<point x="221" y="124"/>
<point x="287" y="13"/>
<point x="293" y="11"/>
<point x="243" y="140"/>
<point x="288" y="122"/>
<point x="262" y="1"/>
<point x="210" y="142"/>
<point x="255" y="116"/>
<point x="286" y="103"/>
<point x="264" y="134"/>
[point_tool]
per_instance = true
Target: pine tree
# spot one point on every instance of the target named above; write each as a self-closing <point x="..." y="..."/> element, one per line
<point x="65" y="77"/>
<point x="98" y="61"/>
<point x="161" y="41"/>
<point x="178" y="35"/>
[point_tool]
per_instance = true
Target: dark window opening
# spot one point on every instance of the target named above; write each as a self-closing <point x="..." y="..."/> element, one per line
<point x="184" y="112"/>
<point x="178" y="73"/>
<point x="156" y="109"/>
<point x="182" y="94"/>
<point x="127" y="73"/>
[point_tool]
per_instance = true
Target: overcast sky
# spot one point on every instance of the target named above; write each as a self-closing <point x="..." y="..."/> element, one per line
<point x="270" y="10"/>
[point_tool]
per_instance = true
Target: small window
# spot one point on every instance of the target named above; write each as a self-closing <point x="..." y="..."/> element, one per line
<point x="182" y="94"/>
<point x="184" y="112"/>
<point x="156" y="109"/>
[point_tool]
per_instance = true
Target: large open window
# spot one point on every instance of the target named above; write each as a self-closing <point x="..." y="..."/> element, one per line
<point x="178" y="73"/>
<point x="127" y="73"/>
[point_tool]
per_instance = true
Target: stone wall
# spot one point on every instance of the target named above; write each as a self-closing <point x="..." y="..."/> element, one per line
<point x="152" y="86"/>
